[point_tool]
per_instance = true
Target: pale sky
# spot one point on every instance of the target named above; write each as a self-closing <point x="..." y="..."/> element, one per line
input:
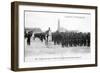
<point x="43" y="20"/>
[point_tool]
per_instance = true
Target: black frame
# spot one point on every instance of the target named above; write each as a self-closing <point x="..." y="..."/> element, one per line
<point x="14" y="35"/>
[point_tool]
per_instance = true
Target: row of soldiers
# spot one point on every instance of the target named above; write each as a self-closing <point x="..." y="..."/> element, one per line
<point x="71" y="39"/>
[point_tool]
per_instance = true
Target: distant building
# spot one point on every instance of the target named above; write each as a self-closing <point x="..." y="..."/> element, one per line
<point x="34" y="30"/>
<point x="60" y="29"/>
<point x="58" y="26"/>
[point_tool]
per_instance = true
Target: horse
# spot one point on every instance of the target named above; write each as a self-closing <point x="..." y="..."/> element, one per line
<point x="41" y="36"/>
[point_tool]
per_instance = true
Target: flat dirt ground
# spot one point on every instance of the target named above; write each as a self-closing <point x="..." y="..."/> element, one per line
<point x="40" y="49"/>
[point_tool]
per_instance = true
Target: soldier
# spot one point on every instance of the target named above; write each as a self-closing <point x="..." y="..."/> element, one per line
<point x="48" y="36"/>
<point x="29" y="37"/>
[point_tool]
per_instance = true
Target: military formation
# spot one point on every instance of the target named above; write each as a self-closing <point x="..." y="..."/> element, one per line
<point x="71" y="39"/>
<point x="66" y="39"/>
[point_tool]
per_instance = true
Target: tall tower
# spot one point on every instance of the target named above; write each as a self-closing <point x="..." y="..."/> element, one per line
<point x="58" y="25"/>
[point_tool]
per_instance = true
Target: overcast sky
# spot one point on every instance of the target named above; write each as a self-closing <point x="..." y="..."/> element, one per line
<point x="43" y="20"/>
